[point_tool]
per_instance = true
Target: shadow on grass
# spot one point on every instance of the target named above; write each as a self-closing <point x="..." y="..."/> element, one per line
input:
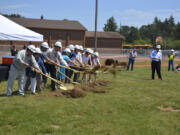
<point x="14" y="93"/>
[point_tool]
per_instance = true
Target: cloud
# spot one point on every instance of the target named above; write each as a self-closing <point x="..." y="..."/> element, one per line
<point x="138" y="18"/>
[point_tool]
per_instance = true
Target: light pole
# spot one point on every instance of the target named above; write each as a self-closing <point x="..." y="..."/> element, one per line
<point x="95" y="33"/>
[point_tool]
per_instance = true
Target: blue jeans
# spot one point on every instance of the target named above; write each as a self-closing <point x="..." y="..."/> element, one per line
<point x="131" y="62"/>
<point x="169" y="65"/>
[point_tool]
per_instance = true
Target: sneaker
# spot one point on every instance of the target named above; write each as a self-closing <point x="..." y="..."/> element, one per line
<point x="160" y="79"/>
<point x="22" y="95"/>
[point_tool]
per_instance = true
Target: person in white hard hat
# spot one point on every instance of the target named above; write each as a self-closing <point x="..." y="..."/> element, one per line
<point x="73" y="57"/>
<point x="71" y="47"/>
<point x="65" y="56"/>
<point x="32" y="76"/>
<point x="156" y="57"/>
<point x="56" y="57"/>
<point x="78" y="61"/>
<point x="171" y="57"/>
<point x="23" y="60"/>
<point x="86" y="58"/>
<point x="96" y="62"/>
<point x="44" y="49"/>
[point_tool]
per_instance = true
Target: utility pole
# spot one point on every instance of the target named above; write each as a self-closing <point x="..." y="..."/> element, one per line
<point x="95" y="33"/>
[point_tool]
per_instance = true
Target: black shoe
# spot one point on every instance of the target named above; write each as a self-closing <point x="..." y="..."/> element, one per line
<point x="53" y="89"/>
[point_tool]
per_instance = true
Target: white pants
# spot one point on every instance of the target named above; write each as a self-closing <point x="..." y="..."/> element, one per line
<point x="33" y="83"/>
<point x="13" y="75"/>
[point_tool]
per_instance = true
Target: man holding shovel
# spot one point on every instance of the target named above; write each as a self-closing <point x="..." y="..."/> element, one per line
<point x="23" y="59"/>
<point x="55" y="56"/>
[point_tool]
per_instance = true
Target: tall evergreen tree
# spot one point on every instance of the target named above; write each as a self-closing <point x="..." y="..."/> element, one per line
<point x="111" y="25"/>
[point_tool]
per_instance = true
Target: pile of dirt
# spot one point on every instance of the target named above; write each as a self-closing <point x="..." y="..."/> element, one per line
<point x="75" y="93"/>
<point x="109" y="62"/>
<point x="93" y="87"/>
<point x="168" y="109"/>
<point x="123" y="64"/>
<point x="114" y="63"/>
<point x="79" y="90"/>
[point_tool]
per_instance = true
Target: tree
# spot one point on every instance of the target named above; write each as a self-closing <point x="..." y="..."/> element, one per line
<point x="111" y="25"/>
<point x="131" y="33"/>
<point x="177" y="32"/>
<point x="42" y="17"/>
<point x="13" y="15"/>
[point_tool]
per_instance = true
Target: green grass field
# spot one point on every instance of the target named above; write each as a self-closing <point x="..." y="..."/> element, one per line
<point x="129" y="107"/>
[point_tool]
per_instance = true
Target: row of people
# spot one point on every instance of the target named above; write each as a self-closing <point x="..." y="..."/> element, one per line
<point x="46" y="60"/>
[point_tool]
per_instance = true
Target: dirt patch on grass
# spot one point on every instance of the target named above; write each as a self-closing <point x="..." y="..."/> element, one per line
<point x="94" y="86"/>
<point x="55" y="126"/>
<point x="75" y="93"/>
<point x="168" y="109"/>
<point x="79" y="90"/>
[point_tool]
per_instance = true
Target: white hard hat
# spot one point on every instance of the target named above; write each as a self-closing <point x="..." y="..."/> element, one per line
<point x="172" y="50"/>
<point x="89" y="50"/>
<point x="96" y="54"/>
<point x="58" y="44"/>
<point x="31" y="48"/>
<point x="67" y="50"/>
<point x="71" y="47"/>
<point x="45" y="45"/>
<point x="81" y="48"/>
<point x="158" y="46"/>
<point x="77" y="47"/>
<point x="37" y="50"/>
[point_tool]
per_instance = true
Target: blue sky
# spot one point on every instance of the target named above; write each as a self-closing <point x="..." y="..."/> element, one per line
<point x="127" y="12"/>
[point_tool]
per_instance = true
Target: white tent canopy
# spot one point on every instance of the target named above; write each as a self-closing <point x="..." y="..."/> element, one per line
<point x="12" y="31"/>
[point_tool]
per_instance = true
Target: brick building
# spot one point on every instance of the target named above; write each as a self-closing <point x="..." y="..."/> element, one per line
<point x="104" y="39"/>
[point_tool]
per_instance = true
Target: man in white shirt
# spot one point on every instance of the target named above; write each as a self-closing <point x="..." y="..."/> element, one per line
<point x="156" y="57"/>
<point x="23" y="60"/>
<point x="55" y="56"/>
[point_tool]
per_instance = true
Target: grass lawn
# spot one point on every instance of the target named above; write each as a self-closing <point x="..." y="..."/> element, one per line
<point x="129" y="107"/>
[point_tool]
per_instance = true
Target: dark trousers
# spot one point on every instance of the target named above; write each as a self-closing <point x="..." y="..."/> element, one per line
<point x="52" y="70"/>
<point x="131" y="62"/>
<point x="170" y="63"/>
<point x="69" y="73"/>
<point x="43" y="77"/>
<point x="156" y="66"/>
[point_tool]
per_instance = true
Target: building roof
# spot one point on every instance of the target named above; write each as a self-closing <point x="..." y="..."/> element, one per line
<point x="49" y="24"/>
<point x="114" y="35"/>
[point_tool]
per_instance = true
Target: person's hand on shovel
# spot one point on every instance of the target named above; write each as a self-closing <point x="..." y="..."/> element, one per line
<point x="26" y="64"/>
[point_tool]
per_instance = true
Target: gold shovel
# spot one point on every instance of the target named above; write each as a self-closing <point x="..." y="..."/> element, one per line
<point x="62" y="86"/>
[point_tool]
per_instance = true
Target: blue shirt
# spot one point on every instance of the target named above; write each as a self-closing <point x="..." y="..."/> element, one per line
<point x="41" y="64"/>
<point x="156" y="55"/>
<point x="72" y="55"/>
<point x="43" y="57"/>
<point x="66" y="58"/>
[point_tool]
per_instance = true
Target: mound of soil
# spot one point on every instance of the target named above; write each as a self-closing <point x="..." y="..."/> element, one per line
<point x="109" y="62"/>
<point x="75" y="93"/>
<point x="79" y="90"/>
<point x="93" y="87"/>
